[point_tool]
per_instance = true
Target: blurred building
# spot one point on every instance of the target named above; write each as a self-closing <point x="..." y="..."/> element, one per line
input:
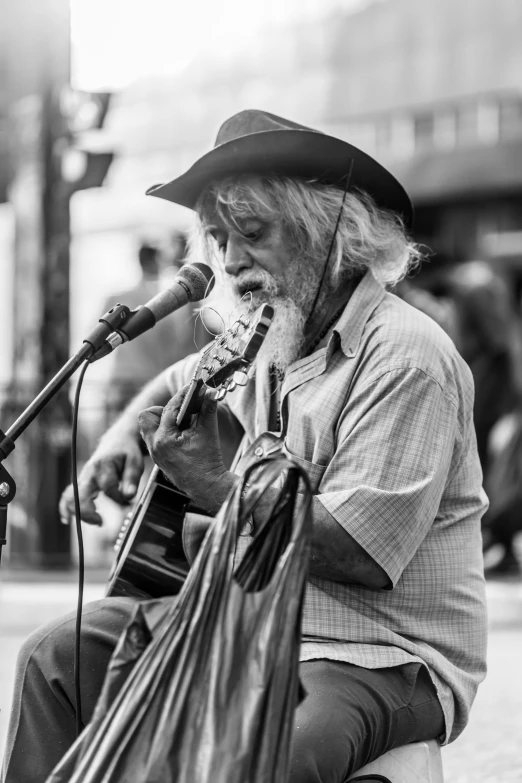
<point x="433" y="89"/>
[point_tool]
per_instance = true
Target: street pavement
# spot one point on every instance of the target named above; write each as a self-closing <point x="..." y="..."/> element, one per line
<point x="489" y="750"/>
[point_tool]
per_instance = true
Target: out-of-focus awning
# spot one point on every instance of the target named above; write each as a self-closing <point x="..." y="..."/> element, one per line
<point x="463" y="173"/>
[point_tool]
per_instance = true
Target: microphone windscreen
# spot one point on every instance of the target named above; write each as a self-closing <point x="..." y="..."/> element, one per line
<point x="199" y="278"/>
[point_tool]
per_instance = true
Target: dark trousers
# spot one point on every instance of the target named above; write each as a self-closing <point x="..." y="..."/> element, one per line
<point x="350" y="716"/>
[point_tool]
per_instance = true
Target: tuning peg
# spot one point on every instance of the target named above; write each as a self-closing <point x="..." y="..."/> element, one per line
<point x="240" y="378"/>
<point x="231" y="385"/>
<point x="220" y="393"/>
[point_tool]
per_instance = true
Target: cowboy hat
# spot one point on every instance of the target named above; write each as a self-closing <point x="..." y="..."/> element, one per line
<point x="257" y="142"/>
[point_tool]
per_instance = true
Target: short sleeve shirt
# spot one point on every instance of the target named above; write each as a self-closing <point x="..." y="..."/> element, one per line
<point x="381" y="418"/>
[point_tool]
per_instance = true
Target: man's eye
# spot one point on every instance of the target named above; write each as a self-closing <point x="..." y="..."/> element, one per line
<point x="253" y="236"/>
<point x="220" y="243"/>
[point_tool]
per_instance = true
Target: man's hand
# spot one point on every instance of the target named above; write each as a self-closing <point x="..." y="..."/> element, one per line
<point x="190" y="458"/>
<point x="115" y="468"/>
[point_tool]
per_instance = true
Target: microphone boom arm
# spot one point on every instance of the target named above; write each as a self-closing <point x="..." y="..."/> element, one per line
<point x="118" y="325"/>
<point x="106" y="325"/>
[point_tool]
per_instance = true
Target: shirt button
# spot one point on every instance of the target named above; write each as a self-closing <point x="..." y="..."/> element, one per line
<point x="259" y="452"/>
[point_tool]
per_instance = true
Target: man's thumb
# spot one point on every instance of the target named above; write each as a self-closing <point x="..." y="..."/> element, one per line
<point x="149" y="419"/>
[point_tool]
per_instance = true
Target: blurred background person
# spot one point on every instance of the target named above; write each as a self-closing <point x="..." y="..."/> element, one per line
<point x="503" y="521"/>
<point x="177" y="250"/>
<point x="475" y="305"/>
<point x="489" y="338"/>
<point x="440" y="308"/>
<point x="174" y="337"/>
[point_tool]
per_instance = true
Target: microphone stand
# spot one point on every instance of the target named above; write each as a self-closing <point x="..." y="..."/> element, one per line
<point x="93" y="348"/>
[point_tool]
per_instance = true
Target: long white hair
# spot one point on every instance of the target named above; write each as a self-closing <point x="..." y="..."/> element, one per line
<point x="367" y="236"/>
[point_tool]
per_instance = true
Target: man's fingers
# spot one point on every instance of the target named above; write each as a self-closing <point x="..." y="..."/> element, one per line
<point x="88" y="512"/>
<point x="63" y="507"/>
<point x="109" y="482"/>
<point x="107" y="476"/>
<point x="173" y="407"/>
<point x="131" y="476"/>
<point x="149" y="421"/>
<point x="87" y="507"/>
<point x="210" y="406"/>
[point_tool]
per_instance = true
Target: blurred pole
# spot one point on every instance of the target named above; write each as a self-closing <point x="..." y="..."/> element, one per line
<point x="4" y="138"/>
<point x="38" y="50"/>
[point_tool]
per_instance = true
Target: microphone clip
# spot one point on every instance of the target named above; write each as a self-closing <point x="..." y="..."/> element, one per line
<point x="110" y="322"/>
<point x="119" y="325"/>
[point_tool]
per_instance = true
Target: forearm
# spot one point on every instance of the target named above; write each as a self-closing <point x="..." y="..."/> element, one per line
<point x="335" y="555"/>
<point x="154" y="393"/>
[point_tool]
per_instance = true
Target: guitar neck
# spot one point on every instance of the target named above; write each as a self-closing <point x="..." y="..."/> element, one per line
<point x="192" y="403"/>
<point x="148" y="491"/>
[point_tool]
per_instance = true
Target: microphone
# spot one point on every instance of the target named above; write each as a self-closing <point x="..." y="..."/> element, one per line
<point x="192" y="283"/>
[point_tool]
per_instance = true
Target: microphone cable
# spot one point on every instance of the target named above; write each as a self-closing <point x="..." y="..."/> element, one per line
<point x="81" y="556"/>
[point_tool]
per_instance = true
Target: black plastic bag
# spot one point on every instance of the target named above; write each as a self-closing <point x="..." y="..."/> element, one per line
<point x="202" y="687"/>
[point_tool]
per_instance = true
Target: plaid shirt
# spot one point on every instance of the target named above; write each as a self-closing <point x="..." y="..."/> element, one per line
<point x="381" y="419"/>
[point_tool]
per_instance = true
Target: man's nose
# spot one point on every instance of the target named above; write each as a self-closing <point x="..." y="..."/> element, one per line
<point x="237" y="256"/>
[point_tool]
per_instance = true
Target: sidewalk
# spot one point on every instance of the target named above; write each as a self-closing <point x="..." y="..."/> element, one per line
<point x="488" y="752"/>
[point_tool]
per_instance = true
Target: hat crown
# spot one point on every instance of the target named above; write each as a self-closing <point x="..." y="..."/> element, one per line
<point x="258" y="142"/>
<point x="254" y="121"/>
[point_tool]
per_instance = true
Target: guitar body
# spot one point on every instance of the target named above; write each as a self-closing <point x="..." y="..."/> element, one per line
<point x="150" y="560"/>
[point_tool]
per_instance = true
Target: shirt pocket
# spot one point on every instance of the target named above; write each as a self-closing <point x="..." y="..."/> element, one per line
<point x="314" y="471"/>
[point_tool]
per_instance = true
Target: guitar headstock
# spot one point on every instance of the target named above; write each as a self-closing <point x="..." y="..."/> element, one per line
<point x="226" y="362"/>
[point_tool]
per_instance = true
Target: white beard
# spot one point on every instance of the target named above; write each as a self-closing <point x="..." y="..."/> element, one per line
<point x="285" y="338"/>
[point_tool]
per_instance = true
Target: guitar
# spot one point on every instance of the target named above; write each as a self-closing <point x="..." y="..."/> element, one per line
<point x="150" y="561"/>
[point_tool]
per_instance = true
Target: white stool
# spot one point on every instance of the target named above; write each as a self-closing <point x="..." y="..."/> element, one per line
<point x="420" y="762"/>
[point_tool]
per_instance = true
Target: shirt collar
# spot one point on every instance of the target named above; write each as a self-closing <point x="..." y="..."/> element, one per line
<point x="350" y="326"/>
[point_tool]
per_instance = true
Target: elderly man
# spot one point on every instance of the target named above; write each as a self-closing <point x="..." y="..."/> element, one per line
<point x="371" y="398"/>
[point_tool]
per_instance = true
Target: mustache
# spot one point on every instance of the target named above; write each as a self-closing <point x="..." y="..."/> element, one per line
<point x="255" y="281"/>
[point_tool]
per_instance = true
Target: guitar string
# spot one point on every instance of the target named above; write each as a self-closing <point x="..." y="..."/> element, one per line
<point x="200" y="316"/>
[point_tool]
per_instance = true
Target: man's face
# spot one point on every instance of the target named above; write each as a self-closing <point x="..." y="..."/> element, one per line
<point x="259" y="262"/>
<point x="261" y="266"/>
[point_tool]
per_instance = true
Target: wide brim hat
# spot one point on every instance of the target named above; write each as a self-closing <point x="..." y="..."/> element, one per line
<point x="256" y="142"/>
